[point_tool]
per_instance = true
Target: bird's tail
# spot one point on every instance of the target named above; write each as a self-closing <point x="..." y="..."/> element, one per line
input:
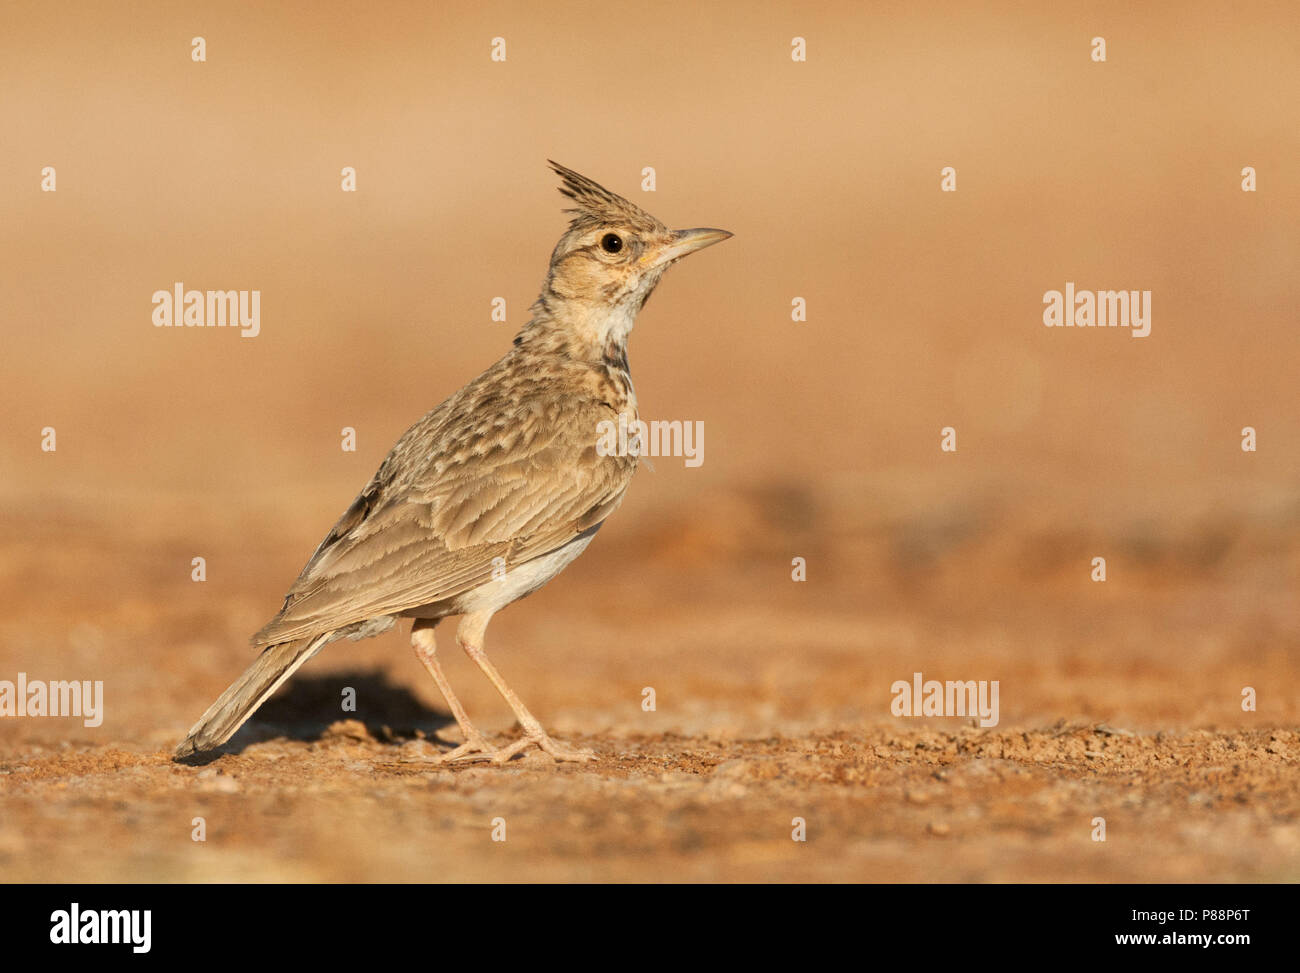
<point x="267" y="674"/>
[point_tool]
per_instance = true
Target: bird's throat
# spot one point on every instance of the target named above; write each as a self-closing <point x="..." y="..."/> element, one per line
<point x="581" y="331"/>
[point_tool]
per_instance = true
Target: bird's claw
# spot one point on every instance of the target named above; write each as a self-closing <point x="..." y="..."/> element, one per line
<point x="474" y="748"/>
<point x="544" y="743"/>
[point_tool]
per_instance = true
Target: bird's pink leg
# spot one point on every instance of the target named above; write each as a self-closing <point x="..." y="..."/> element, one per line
<point x="422" y="640"/>
<point x="470" y="637"/>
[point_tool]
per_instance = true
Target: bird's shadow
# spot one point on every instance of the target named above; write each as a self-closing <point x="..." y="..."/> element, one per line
<point x="310" y="704"/>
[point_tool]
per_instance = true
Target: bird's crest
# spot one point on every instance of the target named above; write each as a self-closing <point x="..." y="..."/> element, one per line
<point x="596" y="204"/>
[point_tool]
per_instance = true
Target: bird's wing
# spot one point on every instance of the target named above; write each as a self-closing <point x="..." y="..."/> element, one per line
<point x="484" y="476"/>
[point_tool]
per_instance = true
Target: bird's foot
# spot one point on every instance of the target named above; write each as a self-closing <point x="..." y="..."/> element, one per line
<point x="538" y="738"/>
<point x="475" y="747"/>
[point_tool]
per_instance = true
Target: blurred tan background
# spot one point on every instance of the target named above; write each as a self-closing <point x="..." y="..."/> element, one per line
<point x="821" y="438"/>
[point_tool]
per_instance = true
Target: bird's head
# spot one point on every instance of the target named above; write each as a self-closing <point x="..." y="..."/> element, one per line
<point x="606" y="265"/>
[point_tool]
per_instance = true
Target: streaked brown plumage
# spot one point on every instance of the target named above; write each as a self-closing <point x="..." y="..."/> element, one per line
<point x="504" y="473"/>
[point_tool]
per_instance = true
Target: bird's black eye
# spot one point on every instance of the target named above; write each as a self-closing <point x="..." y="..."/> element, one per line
<point x="611" y="243"/>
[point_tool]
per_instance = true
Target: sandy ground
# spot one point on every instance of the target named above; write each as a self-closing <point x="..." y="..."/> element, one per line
<point x="772" y="703"/>
<point x="881" y="805"/>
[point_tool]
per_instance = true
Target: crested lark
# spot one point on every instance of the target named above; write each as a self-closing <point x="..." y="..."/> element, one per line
<point x="504" y="474"/>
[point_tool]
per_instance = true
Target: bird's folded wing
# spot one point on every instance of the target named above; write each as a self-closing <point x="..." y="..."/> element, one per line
<point x="425" y="531"/>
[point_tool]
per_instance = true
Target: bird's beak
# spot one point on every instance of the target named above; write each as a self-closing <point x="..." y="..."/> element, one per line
<point x="684" y="242"/>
